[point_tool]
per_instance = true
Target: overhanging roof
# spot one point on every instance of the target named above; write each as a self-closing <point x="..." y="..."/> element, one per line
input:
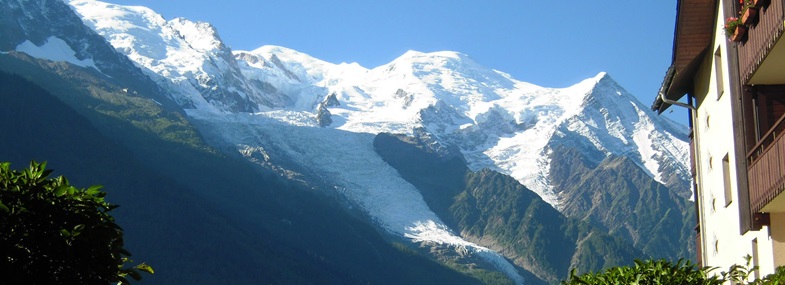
<point x="691" y="40"/>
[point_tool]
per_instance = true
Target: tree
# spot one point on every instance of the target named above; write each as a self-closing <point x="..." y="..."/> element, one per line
<point x="54" y="233"/>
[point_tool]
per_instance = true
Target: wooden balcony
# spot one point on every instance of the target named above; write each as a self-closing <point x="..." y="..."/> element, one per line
<point x="760" y="55"/>
<point x="766" y="171"/>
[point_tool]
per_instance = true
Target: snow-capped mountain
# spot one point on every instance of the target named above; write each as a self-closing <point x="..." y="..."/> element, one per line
<point x="497" y="121"/>
<point x="303" y="116"/>
<point x="177" y="52"/>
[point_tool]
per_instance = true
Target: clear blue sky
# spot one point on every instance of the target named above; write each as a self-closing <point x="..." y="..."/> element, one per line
<point x="548" y="43"/>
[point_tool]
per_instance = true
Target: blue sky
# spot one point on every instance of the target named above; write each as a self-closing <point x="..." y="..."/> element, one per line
<point x="551" y="44"/>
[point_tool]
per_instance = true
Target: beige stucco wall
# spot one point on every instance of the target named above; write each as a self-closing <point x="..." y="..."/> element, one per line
<point x="723" y="245"/>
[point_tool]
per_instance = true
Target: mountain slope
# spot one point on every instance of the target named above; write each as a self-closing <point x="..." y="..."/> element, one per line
<point x="253" y="229"/>
<point x="345" y="165"/>
<point x="622" y="199"/>
<point x="27" y="25"/>
<point x="495" y="210"/>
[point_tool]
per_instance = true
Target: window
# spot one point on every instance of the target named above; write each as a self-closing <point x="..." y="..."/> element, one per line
<point x="726" y="179"/>
<point x="720" y="76"/>
<point x="716" y="246"/>
<point x="708" y="121"/>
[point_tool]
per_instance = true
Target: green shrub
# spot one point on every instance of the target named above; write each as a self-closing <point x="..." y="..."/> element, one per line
<point x="665" y="272"/>
<point x="53" y="233"/>
<point x="776" y="278"/>
<point x="648" y="272"/>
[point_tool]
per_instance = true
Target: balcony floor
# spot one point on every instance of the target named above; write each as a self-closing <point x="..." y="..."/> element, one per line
<point x="776" y="206"/>
<point x="771" y="70"/>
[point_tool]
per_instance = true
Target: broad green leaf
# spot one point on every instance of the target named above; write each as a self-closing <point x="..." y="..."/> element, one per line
<point x="145" y="268"/>
<point x="95" y="189"/>
<point x="78" y="229"/>
<point x="61" y="190"/>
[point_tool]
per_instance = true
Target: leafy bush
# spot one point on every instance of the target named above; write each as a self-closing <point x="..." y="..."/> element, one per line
<point x="648" y="272"/>
<point x="665" y="272"/>
<point x="776" y="278"/>
<point x="53" y="233"/>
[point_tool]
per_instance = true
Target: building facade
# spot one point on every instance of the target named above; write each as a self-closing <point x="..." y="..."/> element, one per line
<point x="728" y="68"/>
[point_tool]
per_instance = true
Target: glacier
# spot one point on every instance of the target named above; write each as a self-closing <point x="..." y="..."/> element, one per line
<point x="351" y="165"/>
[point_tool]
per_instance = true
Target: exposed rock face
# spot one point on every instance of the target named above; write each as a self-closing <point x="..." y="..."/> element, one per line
<point x="331" y="101"/>
<point x="615" y="194"/>
<point x="323" y="116"/>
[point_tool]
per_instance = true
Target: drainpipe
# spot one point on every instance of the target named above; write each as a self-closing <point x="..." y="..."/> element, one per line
<point x="694" y="118"/>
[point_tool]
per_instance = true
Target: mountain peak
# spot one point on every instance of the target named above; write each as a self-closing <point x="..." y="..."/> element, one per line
<point x="605" y="86"/>
<point x="589" y="83"/>
<point x="418" y="56"/>
<point x="101" y="15"/>
<point x="273" y="49"/>
<point x="199" y="35"/>
<point x="601" y="75"/>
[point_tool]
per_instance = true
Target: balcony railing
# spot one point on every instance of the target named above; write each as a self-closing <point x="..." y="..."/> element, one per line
<point x="766" y="171"/>
<point x="761" y="38"/>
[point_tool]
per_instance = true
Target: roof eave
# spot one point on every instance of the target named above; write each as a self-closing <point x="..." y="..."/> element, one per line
<point x="693" y="35"/>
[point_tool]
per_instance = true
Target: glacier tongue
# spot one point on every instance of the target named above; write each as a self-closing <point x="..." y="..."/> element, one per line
<point x="348" y="161"/>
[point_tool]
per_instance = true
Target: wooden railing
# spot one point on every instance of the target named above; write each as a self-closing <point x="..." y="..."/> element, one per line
<point x="761" y="38"/>
<point x="766" y="170"/>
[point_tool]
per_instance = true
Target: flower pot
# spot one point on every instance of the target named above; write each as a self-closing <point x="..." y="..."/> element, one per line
<point x="749" y="15"/>
<point x="738" y="35"/>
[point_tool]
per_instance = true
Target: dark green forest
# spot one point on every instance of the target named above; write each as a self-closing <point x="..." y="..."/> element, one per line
<point x="197" y="216"/>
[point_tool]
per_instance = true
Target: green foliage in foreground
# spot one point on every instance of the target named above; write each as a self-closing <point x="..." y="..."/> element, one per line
<point x="54" y="233"/>
<point x="648" y="272"/>
<point x="665" y="272"/>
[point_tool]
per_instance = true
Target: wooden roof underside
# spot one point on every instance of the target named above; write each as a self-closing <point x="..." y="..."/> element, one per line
<point x="692" y="38"/>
